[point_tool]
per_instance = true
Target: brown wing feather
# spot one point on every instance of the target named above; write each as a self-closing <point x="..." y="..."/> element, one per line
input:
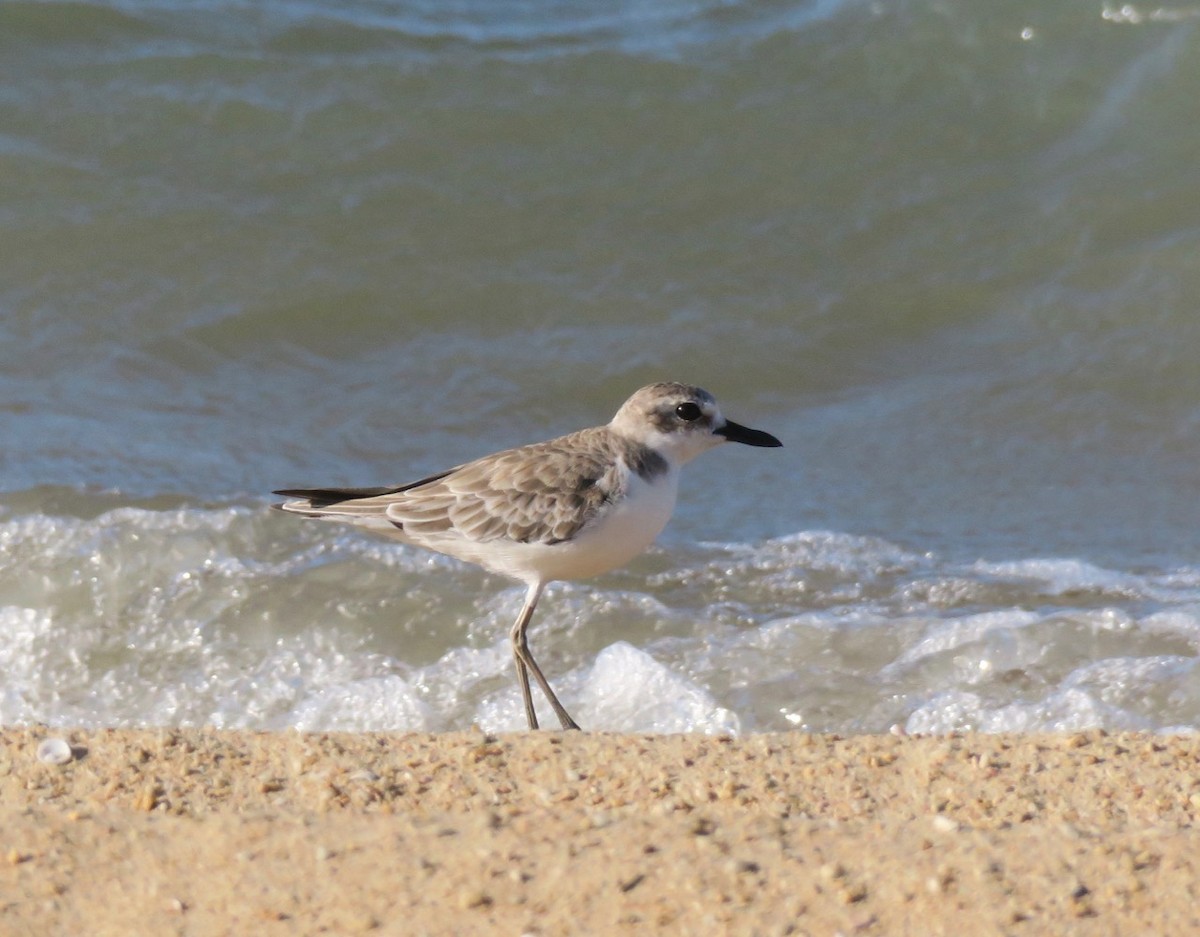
<point x="542" y="493"/>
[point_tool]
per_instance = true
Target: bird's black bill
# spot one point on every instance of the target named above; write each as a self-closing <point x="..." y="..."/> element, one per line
<point x="735" y="432"/>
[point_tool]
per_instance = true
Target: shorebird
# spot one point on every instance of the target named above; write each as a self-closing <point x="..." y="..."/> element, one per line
<point x="568" y="508"/>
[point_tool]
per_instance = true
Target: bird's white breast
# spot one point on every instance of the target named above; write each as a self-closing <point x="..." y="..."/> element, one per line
<point x="627" y="528"/>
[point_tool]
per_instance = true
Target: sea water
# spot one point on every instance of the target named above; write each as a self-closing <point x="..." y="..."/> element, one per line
<point x="946" y="253"/>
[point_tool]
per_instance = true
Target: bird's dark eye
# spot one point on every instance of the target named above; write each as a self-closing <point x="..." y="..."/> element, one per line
<point x="688" y="412"/>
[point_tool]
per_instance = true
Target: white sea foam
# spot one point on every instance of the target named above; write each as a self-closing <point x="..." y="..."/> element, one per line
<point x="230" y="617"/>
<point x="380" y="704"/>
<point x="1065" y="710"/>
<point x="628" y="690"/>
<point x="1064" y="576"/>
<point x="944" y="636"/>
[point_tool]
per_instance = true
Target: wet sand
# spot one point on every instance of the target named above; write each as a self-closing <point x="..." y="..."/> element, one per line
<point x="215" y="832"/>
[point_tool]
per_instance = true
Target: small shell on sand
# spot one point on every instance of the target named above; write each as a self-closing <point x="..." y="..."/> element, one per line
<point x="54" y="751"/>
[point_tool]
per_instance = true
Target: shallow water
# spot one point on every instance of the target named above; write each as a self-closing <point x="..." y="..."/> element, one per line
<point x="946" y="254"/>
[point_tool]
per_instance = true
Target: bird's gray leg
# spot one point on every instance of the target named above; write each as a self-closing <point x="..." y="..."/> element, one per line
<point x="520" y="650"/>
<point x="525" y="663"/>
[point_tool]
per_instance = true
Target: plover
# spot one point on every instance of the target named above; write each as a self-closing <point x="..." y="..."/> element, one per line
<point x="568" y="508"/>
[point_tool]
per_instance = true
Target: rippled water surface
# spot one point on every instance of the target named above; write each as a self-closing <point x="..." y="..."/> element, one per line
<point x="947" y="253"/>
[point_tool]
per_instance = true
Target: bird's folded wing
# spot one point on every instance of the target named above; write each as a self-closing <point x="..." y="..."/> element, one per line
<point x="542" y="493"/>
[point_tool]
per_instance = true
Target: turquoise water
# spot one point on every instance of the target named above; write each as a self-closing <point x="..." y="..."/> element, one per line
<point x="946" y="253"/>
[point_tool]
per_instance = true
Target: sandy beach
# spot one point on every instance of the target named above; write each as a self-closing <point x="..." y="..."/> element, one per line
<point x="221" y="832"/>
